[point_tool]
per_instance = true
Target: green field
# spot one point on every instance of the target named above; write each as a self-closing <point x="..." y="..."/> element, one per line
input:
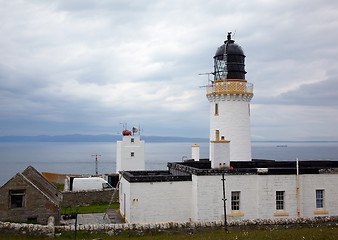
<point x="92" y="208"/>
<point x="316" y="233"/>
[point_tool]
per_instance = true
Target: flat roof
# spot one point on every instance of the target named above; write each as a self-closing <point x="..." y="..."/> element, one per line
<point x="182" y="171"/>
<point x="154" y="176"/>
<point x="256" y="166"/>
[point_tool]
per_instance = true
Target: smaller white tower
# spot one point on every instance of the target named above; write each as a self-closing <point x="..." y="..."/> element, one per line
<point x="220" y="152"/>
<point x="195" y="152"/>
<point x="130" y="153"/>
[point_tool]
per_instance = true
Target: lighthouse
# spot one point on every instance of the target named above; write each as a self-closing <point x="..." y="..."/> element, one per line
<point x="130" y="152"/>
<point x="229" y="95"/>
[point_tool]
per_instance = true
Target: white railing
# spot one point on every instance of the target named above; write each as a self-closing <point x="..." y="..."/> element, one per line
<point x="230" y="88"/>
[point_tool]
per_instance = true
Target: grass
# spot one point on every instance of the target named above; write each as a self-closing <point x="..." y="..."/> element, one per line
<point x="99" y="207"/>
<point x="60" y="186"/>
<point x="315" y="233"/>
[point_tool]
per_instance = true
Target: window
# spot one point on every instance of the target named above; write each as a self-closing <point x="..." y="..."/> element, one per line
<point x="17" y="198"/>
<point x="217" y="135"/>
<point x="132" y="140"/>
<point x="132" y="154"/>
<point x="235" y="201"/>
<point x="106" y="185"/>
<point x="216" y="108"/>
<point x="319" y="198"/>
<point x="279" y="200"/>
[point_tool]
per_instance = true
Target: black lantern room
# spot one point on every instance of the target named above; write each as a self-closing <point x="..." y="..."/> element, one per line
<point x="229" y="61"/>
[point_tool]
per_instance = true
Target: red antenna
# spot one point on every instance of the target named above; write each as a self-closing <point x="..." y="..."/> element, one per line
<point x="96" y="155"/>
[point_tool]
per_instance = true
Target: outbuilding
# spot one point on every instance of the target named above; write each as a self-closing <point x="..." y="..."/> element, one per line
<point x="29" y="197"/>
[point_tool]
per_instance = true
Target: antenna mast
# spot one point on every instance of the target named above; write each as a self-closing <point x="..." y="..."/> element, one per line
<point x="96" y="155"/>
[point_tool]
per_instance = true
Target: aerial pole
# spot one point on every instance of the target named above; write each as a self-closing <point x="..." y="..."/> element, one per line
<point x="224" y="201"/>
<point x="297" y="186"/>
<point x="96" y="155"/>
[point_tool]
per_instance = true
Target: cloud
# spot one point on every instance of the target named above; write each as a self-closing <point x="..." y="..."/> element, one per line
<point x="84" y="66"/>
<point x="322" y="93"/>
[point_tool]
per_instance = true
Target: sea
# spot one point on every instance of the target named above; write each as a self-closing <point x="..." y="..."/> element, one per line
<point x="76" y="157"/>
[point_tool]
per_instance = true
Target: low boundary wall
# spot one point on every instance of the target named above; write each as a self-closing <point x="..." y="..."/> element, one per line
<point x="171" y="227"/>
<point x="80" y="198"/>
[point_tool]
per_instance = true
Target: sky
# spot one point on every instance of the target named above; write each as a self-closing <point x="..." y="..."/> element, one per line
<point x="85" y="67"/>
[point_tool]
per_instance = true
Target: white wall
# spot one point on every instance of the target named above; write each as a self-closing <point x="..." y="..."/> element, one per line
<point x="247" y="186"/>
<point x="309" y="184"/>
<point x="219" y="154"/>
<point x="159" y="202"/>
<point x="118" y="156"/>
<point x="207" y="201"/>
<point x="201" y="198"/>
<point x="266" y="191"/>
<point x="258" y="196"/>
<point x="208" y="194"/>
<point x="124" y="148"/>
<point x="233" y="122"/>
<point x="124" y="198"/>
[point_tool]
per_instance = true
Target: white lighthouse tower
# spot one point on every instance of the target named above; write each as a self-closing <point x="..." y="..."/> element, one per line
<point x="229" y="96"/>
<point x="130" y="152"/>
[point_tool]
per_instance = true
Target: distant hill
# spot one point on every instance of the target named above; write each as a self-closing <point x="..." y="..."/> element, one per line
<point x="94" y="138"/>
<point x="114" y="138"/>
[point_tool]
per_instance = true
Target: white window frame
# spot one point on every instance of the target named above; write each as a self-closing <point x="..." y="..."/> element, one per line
<point x="235" y="200"/>
<point x="280" y="200"/>
<point x="320" y="198"/>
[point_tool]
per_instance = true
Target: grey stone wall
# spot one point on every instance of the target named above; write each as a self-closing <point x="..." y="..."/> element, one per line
<point x="170" y="227"/>
<point x="29" y="229"/>
<point x="79" y="198"/>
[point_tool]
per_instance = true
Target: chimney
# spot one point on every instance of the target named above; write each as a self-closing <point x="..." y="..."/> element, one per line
<point x="195" y="152"/>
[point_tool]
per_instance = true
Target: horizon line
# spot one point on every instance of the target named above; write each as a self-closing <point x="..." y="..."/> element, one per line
<point x="45" y="137"/>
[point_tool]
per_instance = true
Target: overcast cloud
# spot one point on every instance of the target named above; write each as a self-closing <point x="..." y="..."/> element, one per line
<point x="85" y="66"/>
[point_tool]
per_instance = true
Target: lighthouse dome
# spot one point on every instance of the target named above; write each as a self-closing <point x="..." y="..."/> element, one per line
<point x="229" y="47"/>
<point x="229" y="61"/>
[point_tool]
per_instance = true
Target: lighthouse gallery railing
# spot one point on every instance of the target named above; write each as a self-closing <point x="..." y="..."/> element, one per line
<point x="223" y="87"/>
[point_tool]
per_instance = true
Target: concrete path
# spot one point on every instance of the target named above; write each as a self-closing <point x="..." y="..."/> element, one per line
<point x="113" y="216"/>
<point x="92" y="218"/>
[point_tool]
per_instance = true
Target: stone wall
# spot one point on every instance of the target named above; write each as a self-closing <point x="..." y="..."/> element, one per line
<point x="170" y="227"/>
<point x="79" y="198"/>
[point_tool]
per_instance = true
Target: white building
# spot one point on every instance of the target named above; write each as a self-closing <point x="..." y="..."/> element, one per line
<point x="264" y="189"/>
<point x="130" y="153"/>
<point x="192" y="191"/>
